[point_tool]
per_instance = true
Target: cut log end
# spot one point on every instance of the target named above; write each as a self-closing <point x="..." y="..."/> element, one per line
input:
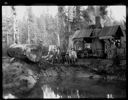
<point x="23" y="51"/>
<point x="34" y="52"/>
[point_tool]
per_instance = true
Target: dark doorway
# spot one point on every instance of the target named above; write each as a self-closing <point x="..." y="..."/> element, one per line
<point x="103" y="45"/>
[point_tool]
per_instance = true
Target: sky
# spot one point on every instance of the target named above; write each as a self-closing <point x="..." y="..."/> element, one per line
<point x="117" y="12"/>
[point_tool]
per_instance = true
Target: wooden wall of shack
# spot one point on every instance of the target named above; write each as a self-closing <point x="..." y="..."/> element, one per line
<point x="78" y="44"/>
<point x="97" y="47"/>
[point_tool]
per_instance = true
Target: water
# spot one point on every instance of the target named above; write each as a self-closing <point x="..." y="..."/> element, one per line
<point x="76" y="88"/>
<point x="84" y="88"/>
<point x="9" y="96"/>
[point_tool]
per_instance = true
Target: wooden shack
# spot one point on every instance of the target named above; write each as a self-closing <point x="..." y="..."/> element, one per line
<point x="103" y="42"/>
<point x="85" y="39"/>
<point x="80" y="38"/>
<point x="111" y="35"/>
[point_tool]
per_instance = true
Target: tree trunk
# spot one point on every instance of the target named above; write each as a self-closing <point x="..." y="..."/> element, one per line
<point x="28" y="41"/>
<point x="16" y="35"/>
<point x="61" y="26"/>
<point x="23" y="51"/>
<point x="77" y="17"/>
<point x="29" y="20"/>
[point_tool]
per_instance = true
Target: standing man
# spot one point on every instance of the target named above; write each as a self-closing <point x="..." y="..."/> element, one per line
<point x="73" y="55"/>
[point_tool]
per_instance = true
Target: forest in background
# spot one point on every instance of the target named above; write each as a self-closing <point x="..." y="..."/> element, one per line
<point x="48" y="30"/>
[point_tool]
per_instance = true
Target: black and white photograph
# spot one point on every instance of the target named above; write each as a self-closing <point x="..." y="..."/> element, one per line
<point x="63" y="51"/>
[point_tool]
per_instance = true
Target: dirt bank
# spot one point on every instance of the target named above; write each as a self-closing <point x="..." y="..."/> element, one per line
<point x="17" y="77"/>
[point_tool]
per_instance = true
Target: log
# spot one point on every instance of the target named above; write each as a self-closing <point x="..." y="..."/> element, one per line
<point x="33" y="52"/>
<point x="16" y="50"/>
<point x="23" y="51"/>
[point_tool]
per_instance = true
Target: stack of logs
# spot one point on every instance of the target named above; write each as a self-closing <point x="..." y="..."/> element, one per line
<point x="31" y="52"/>
<point x="110" y="49"/>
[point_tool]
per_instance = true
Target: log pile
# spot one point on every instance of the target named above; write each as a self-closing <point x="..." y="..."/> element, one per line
<point x="16" y="50"/>
<point x="19" y="73"/>
<point x="23" y="51"/>
<point x="110" y="49"/>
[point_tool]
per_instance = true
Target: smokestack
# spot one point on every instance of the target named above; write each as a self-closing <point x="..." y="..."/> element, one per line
<point x="98" y="22"/>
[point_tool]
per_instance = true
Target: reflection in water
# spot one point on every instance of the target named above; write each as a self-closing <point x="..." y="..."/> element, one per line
<point x="76" y="88"/>
<point x="109" y="96"/>
<point x="78" y="94"/>
<point x="49" y="93"/>
<point x="83" y="88"/>
<point x="9" y="96"/>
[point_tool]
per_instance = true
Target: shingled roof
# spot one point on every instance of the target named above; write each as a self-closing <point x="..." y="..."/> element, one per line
<point x="82" y="33"/>
<point x="110" y="31"/>
<point x="96" y="32"/>
<point x="105" y="32"/>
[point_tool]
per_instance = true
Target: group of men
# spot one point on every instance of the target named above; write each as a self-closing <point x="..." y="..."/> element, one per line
<point x="59" y="56"/>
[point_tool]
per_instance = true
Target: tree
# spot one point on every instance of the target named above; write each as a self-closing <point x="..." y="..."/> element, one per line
<point x="23" y="30"/>
<point x="86" y="17"/>
<point x="69" y="19"/>
<point x="7" y="30"/>
<point x="78" y="16"/>
<point x="61" y="26"/>
<point x="15" y="26"/>
<point x="30" y="21"/>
